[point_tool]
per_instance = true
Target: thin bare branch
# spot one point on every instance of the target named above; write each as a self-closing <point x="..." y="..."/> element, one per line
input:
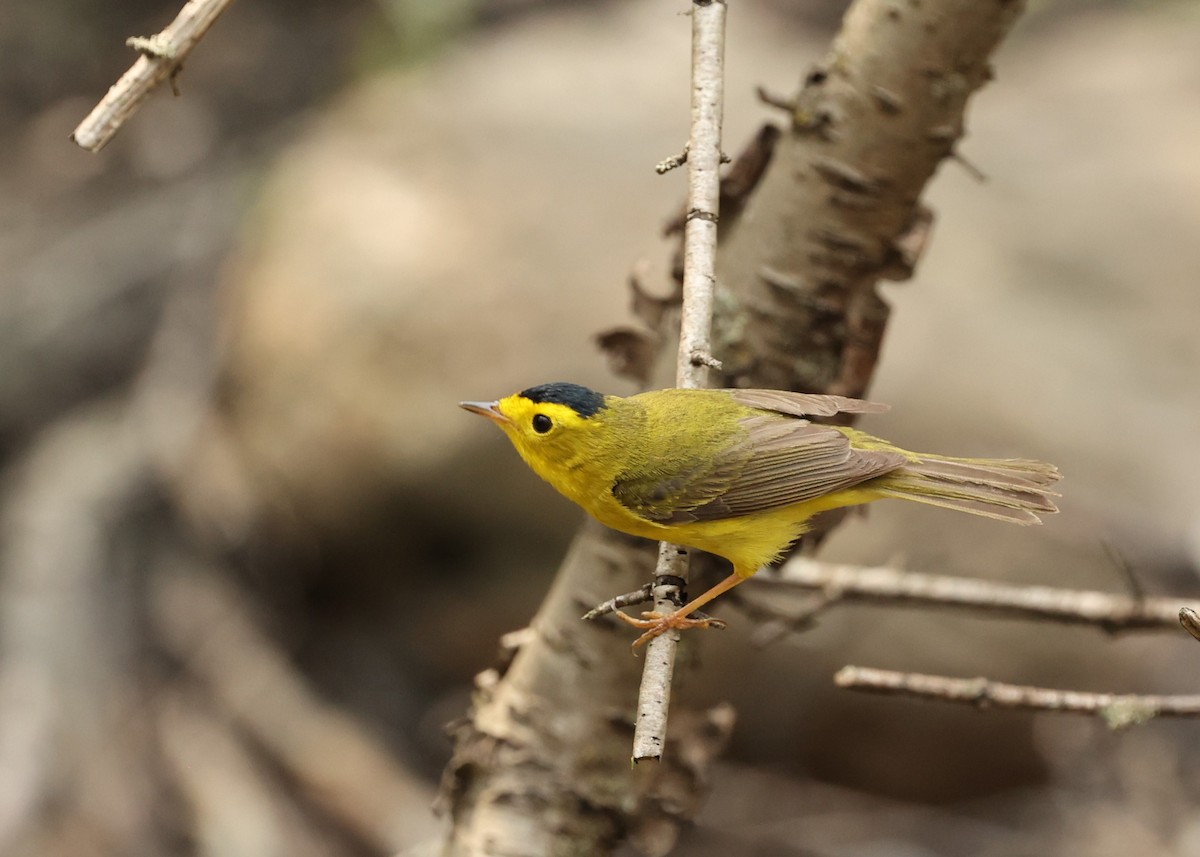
<point x="629" y="599"/>
<point x="1123" y="565"/>
<point x="162" y="57"/>
<point x="1111" y="611"/>
<point x="771" y="99"/>
<point x="972" y="170"/>
<point x="1118" y="710"/>
<point x="695" y="339"/>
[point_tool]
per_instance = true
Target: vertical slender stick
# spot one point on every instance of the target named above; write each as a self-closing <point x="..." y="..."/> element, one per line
<point x="695" y="348"/>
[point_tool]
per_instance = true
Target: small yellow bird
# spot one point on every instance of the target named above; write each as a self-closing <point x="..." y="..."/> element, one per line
<point x="739" y="473"/>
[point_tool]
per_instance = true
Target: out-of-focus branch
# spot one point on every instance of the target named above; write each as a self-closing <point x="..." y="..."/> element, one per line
<point x="1118" y="710"/>
<point x="208" y="627"/>
<point x="162" y="57"/>
<point x="1113" y="612"/>
<point x="695" y="340"/>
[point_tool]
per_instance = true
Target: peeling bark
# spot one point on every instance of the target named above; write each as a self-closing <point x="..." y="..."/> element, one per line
<point x="838" y="208"/>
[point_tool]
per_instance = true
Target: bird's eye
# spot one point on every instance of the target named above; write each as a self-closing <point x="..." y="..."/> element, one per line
<point x="542" y="423"/>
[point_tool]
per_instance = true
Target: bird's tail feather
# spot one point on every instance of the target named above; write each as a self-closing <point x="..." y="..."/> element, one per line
<point x="1014" y="490"/>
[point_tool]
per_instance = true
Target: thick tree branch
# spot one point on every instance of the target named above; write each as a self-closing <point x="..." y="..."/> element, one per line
<point x="162" y="57"/>
<point x="541" y="766"/>
<point x="838" y="208"/>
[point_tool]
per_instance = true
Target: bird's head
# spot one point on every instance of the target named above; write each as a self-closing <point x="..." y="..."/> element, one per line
<point x="553" y="426"/>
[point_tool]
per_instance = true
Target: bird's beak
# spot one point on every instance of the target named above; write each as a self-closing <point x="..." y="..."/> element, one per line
<point x="491" y="410"/>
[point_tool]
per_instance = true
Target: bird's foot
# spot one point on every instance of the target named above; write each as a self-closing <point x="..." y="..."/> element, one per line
<point x="655" y="623"/>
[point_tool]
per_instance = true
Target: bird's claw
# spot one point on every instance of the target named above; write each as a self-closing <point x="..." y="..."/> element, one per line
<point x="655" y="623"/>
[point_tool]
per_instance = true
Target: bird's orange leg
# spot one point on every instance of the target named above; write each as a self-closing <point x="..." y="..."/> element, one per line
<point x="655" y="623"/>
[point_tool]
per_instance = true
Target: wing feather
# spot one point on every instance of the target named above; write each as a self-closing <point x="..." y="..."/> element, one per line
<point x="775" y="461"/>
<point x="805" y="404"/>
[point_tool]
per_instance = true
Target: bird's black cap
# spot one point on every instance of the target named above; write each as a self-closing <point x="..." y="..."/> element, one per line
<point x="578" y="398"/>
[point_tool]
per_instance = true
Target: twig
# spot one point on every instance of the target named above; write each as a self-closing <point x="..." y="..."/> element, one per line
<point x="1111" y="611"/>
<point x="1118" y="710"/>
<point x="699" y="267"/>
<point x="1190" y="620"/>
<point x="787" y="105"/>
<point x="1126" y="568"/>
<point x="972" y="170"/>
<point x="162" y="57"/>
<point x="629" y="599"/>
<point x="672" y="163"/>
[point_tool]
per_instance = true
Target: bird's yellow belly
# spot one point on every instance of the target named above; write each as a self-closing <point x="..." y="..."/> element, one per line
<point x="749" y="542"/>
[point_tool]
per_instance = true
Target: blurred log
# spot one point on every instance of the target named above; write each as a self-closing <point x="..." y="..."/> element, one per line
<point x="68" y="689"/>
<point x="85" y="725"/>
<point x="235" y="807"/>
<point x="81" y="310"/>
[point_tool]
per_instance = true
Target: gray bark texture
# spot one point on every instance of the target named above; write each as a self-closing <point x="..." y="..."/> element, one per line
<point x="838" y="208"/>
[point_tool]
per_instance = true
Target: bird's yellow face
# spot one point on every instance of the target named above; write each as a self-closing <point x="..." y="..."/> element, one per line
<point x="555" y="428"/>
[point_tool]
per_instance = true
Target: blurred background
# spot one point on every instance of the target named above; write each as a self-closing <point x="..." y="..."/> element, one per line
<point x="251" y="554"/>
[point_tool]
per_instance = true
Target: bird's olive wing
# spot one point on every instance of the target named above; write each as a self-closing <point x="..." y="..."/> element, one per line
<point x="804" y="404"/>
<point x="774" y="462"/>
<point x="668" y="490"/>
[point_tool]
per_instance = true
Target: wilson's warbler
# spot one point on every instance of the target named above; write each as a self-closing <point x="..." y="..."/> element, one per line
<point x="739" y="473"/>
